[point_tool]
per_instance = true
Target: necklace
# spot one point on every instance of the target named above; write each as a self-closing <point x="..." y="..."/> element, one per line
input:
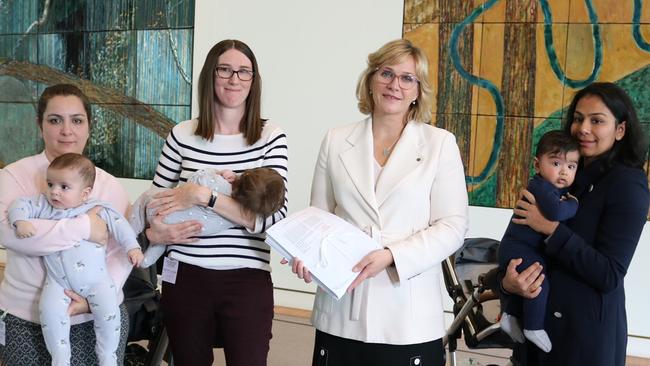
<point x="387" y="150"/>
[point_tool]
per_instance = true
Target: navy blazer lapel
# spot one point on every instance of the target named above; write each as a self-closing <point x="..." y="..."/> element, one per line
<point x="358" y="162"/>
<point x="405" y="158"/>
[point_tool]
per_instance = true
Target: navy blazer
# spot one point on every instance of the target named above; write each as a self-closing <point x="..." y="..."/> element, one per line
<point x="588" y="257"/>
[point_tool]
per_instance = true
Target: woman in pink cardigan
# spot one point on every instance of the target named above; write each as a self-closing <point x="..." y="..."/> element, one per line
<point x="64" y="120"/>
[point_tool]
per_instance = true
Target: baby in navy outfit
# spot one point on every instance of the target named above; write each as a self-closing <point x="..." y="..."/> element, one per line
<point x="556" y="162"/>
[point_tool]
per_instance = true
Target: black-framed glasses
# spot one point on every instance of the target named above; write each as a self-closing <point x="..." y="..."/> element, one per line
<point x="405" y="81"/>
<point x="225" y="72"/>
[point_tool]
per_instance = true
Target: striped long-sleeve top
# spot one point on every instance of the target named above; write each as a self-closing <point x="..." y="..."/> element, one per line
<point x="184" y="153"/>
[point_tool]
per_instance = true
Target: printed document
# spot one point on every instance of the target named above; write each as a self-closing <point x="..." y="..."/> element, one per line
<point x="328" y="245"/>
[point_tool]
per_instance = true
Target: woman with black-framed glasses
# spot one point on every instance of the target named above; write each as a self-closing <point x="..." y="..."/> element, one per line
<point x="221" y="290"/>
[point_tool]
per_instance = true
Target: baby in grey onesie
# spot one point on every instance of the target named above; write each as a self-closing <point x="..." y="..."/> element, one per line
<point x="81" y="268"/>
<point x="259" y="190"/>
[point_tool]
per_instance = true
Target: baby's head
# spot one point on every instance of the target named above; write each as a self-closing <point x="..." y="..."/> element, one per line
<point x="70" y="179"/>
<point x="259" y="190"/>
<point x="556" y="158"/>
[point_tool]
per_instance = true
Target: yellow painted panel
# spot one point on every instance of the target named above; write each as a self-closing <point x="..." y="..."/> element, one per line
<point x="496" y="14"/>
<point x="548" y="88"/>
<point x="491" y="65"/>
<point x="607" y="11"/>
<point x="426" y="37"/>
<point x="483" y="129"/>
<point x="621" y="55"/>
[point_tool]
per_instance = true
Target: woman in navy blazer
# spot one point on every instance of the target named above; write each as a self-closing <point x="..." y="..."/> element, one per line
<point x="400" y="180"/>
<point x="589" y="254"/>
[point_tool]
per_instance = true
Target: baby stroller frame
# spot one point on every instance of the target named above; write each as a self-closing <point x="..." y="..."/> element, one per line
<point x="142" y="300"/>
<point x="468" y="297"/>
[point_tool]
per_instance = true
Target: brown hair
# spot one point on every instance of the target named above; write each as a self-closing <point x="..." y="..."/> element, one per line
<point x="78" y="162"/>
<point x="252" y="123"/>
<point x="260" y="191"/>
<point x="393" y="53"/>
<point x="61" y="90"/>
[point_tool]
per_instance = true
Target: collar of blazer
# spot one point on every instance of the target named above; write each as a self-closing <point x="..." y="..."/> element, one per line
<point x="358" y="161"/>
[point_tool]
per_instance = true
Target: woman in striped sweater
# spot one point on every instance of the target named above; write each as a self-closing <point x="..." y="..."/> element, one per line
<point x="222" y="290"/>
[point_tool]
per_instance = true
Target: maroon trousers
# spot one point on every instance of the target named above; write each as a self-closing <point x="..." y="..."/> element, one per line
<point x="229" y="308"/>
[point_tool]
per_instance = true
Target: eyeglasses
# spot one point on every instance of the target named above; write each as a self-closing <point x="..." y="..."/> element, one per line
<point x="405" y="81"/>
<point x="226" y="73"/>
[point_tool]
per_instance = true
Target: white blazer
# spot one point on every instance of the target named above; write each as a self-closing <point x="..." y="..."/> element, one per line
<point x="418" y="209"/>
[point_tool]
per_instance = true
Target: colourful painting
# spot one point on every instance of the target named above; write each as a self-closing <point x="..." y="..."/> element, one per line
<point x="505" y="71"/>
<point x="132" y="57"/>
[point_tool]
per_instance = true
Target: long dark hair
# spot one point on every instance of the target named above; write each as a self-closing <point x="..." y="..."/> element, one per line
<point x="632" y="148"/>
<point x="252" y="123"/>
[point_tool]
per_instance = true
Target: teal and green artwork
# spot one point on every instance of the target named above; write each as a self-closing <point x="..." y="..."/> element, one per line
<point x="133" y="58"/>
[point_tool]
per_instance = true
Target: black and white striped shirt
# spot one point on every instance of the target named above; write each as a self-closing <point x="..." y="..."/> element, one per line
<point x="184" y="153"/>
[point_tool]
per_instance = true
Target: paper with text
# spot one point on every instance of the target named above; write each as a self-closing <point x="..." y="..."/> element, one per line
<point x="328" y="245"/>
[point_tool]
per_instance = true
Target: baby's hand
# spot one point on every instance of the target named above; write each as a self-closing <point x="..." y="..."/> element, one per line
<point x="228" y="175"/>
<point x="24" y="229"/>
<point x="135" y="256"/>
<point x="569" y="196"/>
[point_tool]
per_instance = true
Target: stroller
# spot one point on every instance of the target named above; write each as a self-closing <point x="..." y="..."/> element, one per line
<point x="470" y="277"/>
<point x="142" y="301"/>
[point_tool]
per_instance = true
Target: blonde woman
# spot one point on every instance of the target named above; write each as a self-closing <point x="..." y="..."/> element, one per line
<point x="400" y="180"/>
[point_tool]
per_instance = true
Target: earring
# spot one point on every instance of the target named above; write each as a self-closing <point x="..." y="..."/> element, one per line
<point x="414" y="101"/>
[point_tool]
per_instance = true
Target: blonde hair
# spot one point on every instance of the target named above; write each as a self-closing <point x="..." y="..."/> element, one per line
<point x="393" y="53"/>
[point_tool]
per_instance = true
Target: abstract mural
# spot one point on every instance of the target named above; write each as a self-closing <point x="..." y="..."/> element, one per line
<point x="506" y="70"/>
<point x="132" y="57"/>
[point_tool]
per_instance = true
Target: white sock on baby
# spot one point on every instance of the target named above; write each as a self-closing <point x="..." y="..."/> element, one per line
<point x="540" y="338"/>
<point x="510" y="326"/>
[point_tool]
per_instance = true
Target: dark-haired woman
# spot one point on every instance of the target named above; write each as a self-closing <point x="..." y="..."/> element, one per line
<point x="222" y="288"/>
<point x="64" y="120"/>
<point x="588" y="256"/>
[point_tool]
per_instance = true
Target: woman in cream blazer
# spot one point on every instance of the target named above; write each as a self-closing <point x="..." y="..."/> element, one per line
<point x="402" y="182"/>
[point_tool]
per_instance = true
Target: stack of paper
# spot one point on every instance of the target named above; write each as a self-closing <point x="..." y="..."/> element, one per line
<point x="328" y="245"/>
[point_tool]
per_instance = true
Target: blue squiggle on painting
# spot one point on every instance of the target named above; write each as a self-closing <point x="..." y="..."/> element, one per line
<point x="636" y="29"/>
<point x="481" y="83"/>
<point x="552" y="56"/>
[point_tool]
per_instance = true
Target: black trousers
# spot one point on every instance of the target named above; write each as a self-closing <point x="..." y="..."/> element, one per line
<point x="331" y="350"/>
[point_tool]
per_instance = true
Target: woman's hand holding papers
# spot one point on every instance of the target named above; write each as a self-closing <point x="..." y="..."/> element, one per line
<point x="299" y="268"/>
<point x="373" y="263"/>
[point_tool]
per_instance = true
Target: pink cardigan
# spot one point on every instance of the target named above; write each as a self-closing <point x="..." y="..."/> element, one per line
<point x="24" y="274"/>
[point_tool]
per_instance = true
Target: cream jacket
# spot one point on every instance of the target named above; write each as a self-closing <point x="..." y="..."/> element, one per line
<point x="418" y="210"/>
